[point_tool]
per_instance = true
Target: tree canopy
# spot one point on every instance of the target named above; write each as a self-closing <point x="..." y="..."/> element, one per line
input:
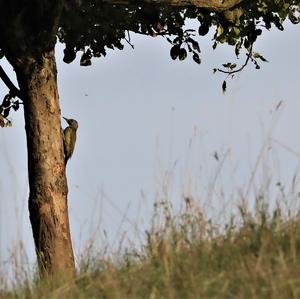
<point x="91" y="28"/>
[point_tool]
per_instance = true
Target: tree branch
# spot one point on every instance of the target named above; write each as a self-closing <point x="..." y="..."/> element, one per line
<point x="14" y="91"/>
<point x="216" y="5"/>
<point x="231" y="72"/>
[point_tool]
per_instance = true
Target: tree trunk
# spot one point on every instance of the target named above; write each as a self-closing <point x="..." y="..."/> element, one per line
<point x="37" y="78"/>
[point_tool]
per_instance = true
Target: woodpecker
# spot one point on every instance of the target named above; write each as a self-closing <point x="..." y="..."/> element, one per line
<point x="69" y="138"/>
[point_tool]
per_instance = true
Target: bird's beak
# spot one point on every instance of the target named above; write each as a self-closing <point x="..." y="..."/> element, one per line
<point x="66" y="119"/>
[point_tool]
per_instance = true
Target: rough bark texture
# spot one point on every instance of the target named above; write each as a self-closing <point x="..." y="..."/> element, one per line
<point x="48" y="208"/>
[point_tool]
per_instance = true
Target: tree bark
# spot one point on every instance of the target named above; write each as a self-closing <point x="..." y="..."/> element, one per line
<point x="48" y="209"/>
<point x="214" y="5"/>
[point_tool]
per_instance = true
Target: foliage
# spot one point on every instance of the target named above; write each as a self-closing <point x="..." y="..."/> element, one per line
<point x="8" y="103"/>
<point x="101" y="27"/>
<point x="92" y="27"/>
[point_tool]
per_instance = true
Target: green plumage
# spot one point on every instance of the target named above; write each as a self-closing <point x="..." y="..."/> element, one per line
<point x="70" y="138"/>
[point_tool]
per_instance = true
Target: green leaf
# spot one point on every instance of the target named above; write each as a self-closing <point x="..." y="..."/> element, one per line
<point x="203" y="29"/>
<point x="85" y="61"/>
<point x="118" y="45"/>
<point x="237" y="30"/>
<point x="16" y="105"/>
<point x="224" y="86"/>
<point x="6" y="101"/>
<point x="8" y="124"/>
<point x="259" y="56"/>
<point x="86" y="58"/>
<point x="110" y="46"/>
<point x="227" y="65"/>
<point x="182" y="54"/>
<point x="174" y="52"/>
<point x="195" y="44"/>
<point x="220" y="30"/>
<point x="238" y="48"/>
<point x="278" y="24"/>
<point x="196" y="58"/>
<point x="69" y="54"/>
<point x="6" y="112"/>
<point x="258" y="32"/>
<point x="247" y="44"/>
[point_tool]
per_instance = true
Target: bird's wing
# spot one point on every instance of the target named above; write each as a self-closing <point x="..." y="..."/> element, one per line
<point x="67" y="142"/>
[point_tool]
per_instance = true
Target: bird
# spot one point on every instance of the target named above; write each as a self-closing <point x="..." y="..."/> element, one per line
<point x="69" y="138"/>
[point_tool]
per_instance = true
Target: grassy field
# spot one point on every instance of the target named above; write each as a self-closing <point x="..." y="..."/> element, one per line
<point x="255" y="255"/>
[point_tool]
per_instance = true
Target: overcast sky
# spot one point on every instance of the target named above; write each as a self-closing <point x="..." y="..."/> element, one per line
<point x="149" y="128"/>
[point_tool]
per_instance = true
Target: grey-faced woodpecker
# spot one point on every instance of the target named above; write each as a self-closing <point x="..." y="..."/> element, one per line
<point x="69" y="138"/>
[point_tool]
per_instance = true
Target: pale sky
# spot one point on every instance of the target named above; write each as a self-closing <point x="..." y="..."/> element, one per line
<point x="146" y="122"/>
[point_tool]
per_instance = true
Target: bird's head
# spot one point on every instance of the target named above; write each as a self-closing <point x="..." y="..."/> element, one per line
<point x="72" y="122"/>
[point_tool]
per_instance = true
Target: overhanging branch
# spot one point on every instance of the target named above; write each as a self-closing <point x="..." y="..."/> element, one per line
<point x="216" y="5"/>
<point x="14" y="91"/>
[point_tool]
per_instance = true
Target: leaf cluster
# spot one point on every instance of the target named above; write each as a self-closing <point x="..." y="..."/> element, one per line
<point x="8" y="103"/>
<point x="93" y="27"/>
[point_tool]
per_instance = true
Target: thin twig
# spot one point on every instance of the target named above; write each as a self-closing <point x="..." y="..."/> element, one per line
<point x="249" y="55"/>
<point x="13" y="90"/>
<point x="128" y="40"/>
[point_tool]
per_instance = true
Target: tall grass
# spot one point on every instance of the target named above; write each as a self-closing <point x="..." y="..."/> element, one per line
<point x="255" y="255"/>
